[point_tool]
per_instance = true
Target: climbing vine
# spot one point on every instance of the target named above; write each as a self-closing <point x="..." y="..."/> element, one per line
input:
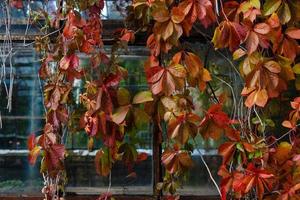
<point x="262" y="39"/>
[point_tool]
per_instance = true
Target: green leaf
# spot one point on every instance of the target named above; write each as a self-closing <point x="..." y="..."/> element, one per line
<point x="270" y="122"/>
<point x="140" y="117"/>
<point x="245" y="6"/>
<point x="239" y="159"/>
<point x="240" y="147"/>
<point x="271" y="6"/>
<point x="123" y="97"/>
<point x="284" y="13"/>
<point x="296" y="68"/>
<point x="142" y="97"/>
<point x="261" y="128"/>
<point x="255" y="120"/>
<point x="255" y="3"/>
<point x="129" y="153"/>
<point x="251" y="155"/>
<point x="258" y="154"/>
<point x="297" y="83"/>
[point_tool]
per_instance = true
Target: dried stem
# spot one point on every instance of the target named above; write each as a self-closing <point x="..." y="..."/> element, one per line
<point x="208" y="170"/>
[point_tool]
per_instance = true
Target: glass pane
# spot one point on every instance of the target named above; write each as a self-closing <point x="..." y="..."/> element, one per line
<point x="82" y="177"/>
<point x="26" y="116"/>
<point x="198" y="181"/>
<point x="115" y="9"/>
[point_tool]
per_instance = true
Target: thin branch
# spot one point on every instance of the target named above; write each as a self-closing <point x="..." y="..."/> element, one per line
<point x="287" y="133"/>
<point x="208" y="170"/>
<point x="209" y="85"/>
<point x="109" y="186"/>
<point x="260" y="120"/>
<point x="233" y="95"/>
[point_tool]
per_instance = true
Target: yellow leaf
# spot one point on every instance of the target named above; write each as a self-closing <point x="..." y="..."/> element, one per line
<point x="296" y="68"/>
<point x="238" y="54"/>
<point x="142" y="97"/>
<point x="255" y="3"/>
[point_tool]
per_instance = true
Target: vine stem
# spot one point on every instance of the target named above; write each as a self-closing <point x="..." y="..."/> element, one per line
<point x="233" y="115"/>
<point x="222" y="9"/>
<point x="208" y="170"/>
<point x="27" y="24"/>
<point x="109" y="186"/>
<point x="287" y="133"/>
<point x="208" y="83"/>
<point x="260" y="120"/>
<point x="43" y="37"/>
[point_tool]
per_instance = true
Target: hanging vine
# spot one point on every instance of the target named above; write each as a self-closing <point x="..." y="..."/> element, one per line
<point x="260" y="36"/>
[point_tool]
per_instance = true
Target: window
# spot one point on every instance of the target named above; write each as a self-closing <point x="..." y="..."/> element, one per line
<point x="27" y="116"/>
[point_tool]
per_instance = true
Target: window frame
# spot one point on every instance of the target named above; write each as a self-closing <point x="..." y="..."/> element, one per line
<point x="110" y="26"/>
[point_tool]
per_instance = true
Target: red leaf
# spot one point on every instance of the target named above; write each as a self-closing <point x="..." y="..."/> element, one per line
<point x="74" y="21"/>
<point x="227" y="150"/>
<point x="69" y="61"/>
<point x="69" y="65"/>
<point x="31" y="142"/>
<point x="91" y="124"/>
<point x="16" y="3"/>
<point x="253" y="177"/>
<point x="142" y="157"/>
<point x="226" y="182"/>
<point x="214" y="122"/>
<point x="54" y="155"/>
<point x="293" y="33"/>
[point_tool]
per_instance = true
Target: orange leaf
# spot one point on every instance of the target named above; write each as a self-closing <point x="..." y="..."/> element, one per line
<point x="193" y="63"/>
<point x="176" y="161"/>
<point x="262" y="28"/>
<point x="252" y="42"/>
<point x="31" y="142"/>
<point x="161" y="15"/>
<point x="177" y="15"/>
<point x="33" y="154"/>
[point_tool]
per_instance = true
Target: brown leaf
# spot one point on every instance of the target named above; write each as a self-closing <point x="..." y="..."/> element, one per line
<point x="103" y="162"/>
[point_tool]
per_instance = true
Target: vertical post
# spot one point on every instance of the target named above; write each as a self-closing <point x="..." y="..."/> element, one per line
<point x="156" y="153"/>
